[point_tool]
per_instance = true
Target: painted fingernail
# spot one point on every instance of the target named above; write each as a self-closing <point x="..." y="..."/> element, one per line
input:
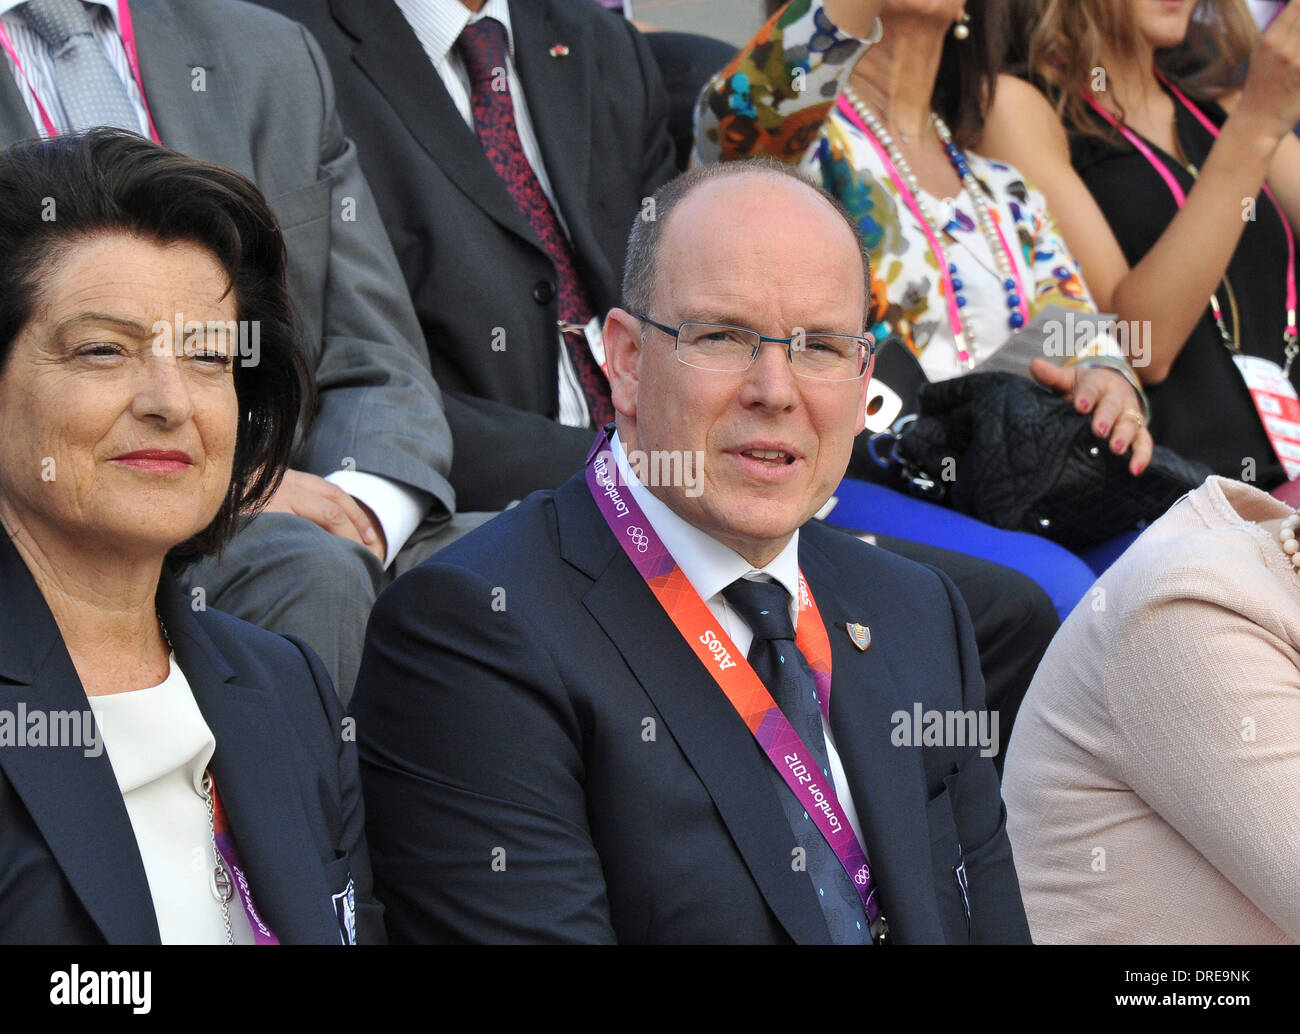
<point x="1103" y="427"/>
<point x="1138" y="470"/>
<point x="1084" y="405"/>
<point x="1118" y="445"/>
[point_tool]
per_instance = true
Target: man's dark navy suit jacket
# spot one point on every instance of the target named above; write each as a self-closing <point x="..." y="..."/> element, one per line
<point x="545" y="759"/>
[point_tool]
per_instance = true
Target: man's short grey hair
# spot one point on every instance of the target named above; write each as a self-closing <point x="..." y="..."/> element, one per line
<point x="640" y="269"/>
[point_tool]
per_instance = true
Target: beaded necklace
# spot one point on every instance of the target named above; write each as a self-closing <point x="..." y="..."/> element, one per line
<point x="1287" y="536"/>
<point x="909" y="188"/>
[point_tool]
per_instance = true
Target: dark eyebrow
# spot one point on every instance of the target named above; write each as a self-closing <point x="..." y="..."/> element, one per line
<point x="696" y="316"/>
<point x="692" y="317"/>
<point x="127" y="326"/>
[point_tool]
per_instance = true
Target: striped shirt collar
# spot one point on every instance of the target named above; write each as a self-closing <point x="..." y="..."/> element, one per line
<point x="439" y="23"/>
<point x="8" y="5"/>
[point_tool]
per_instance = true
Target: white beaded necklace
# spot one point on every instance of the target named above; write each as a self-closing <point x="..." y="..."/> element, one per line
<point x="1286" y="535"/>
<point x="984" y="218"/>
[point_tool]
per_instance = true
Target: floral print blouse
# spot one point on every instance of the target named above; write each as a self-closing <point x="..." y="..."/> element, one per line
<point x="778" y="97"/>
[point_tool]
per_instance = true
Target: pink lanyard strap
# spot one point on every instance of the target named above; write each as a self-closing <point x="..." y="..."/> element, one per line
<point x="913" y="206"/>
<point x="1175" y="188"/>
<point x="996" y="218"/>
<point x="734" y="675"/>
<point x="1213" y="130"/>
<point x="126" y="29"/>
<point x="224" y="842"/>
<point x="1180" y="196"/>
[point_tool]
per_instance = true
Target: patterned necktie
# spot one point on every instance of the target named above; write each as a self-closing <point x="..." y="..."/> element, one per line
<point x="482" y="46"/>
<point x="765" y="608"/>
<point x="91" y="91"/>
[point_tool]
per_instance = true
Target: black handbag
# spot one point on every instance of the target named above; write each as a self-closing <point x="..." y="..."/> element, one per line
<point x="1014" y="454"/>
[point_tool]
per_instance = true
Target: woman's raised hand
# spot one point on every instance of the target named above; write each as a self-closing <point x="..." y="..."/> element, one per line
<point x="1272" y="89"/>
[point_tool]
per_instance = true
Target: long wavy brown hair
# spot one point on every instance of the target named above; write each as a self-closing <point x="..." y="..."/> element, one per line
<point x="1065" y="51"/>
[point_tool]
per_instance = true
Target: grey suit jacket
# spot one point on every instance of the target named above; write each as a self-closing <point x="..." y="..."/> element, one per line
<point x="233" y="83"/>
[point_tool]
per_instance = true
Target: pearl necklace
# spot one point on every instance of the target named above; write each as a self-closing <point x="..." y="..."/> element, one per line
<point x="984" y="218"/>
<point x="1286" y="535"/>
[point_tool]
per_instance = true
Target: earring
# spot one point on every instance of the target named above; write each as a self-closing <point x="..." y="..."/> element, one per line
<point x="962" y="29"/>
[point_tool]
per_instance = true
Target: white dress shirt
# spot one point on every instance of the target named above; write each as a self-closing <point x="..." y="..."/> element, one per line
<point x="160" y="746"/>
<point x="710" y="567"/>
<point x="399" y="509"/>
<point x="437" y="25"/>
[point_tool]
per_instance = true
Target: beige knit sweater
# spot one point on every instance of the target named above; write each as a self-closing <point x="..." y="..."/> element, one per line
<point x="1152" y="781"/>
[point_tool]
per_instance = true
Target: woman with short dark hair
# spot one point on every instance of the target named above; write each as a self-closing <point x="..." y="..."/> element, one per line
<point x="151" y="387"/>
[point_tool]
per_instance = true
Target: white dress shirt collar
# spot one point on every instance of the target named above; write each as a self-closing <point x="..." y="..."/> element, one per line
<point x="707" y="564"/>
<point x="439" y="23"/>
<point x="8" y="5"/>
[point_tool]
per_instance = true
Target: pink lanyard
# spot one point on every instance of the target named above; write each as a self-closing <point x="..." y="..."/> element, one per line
<point x="127" y="30"/>
<point x="1180" y="196"/>
<point x="236" y="880"/>
<point x="734" y="675"/>
<point x="913" y="206"/>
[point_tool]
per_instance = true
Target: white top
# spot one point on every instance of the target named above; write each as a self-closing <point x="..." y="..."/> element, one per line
<point x="159" y="746"/>
<point x="437" y="25"/>
<point x="710" y="567"/>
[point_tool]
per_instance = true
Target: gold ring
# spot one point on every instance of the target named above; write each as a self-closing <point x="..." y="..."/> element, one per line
<point x="1137" y="417"/>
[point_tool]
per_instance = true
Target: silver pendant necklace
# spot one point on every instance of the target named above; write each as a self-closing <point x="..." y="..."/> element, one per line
<point x="219" y="881"/>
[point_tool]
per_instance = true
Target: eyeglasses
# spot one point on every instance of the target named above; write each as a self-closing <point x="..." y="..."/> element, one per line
<point x="727" y="349"/>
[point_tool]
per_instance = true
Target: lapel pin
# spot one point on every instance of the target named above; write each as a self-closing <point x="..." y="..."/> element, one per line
<point x="559" y="50"/>
<point x="860" y="634"/>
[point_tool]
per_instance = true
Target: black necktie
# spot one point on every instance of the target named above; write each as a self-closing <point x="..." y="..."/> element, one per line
<point x="765" y="608"/>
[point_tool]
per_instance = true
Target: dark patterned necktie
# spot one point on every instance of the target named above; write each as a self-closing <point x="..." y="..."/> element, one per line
<point x="482" y="46"/>
<point x="765" y="608"/>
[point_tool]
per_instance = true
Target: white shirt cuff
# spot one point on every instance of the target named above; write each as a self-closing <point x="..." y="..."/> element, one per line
<point x="399" y="509"/>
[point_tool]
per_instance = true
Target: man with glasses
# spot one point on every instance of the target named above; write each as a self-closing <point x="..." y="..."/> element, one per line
<point x="648" y="708"/>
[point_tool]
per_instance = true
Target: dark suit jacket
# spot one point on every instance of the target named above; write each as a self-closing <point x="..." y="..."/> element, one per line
<point x="235" y="84"/>
<point x="545" y="759"/>
<point x="471" y="261"/>
<point x="70" y="870"/>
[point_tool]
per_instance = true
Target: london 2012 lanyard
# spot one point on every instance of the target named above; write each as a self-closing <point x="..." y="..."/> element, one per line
<point x="945" y="270"/>
<point x="733" y="673"/>
<point x="225" y="844"/>
<point x="1291" y="336"/>
<point x="127" y="29"/>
